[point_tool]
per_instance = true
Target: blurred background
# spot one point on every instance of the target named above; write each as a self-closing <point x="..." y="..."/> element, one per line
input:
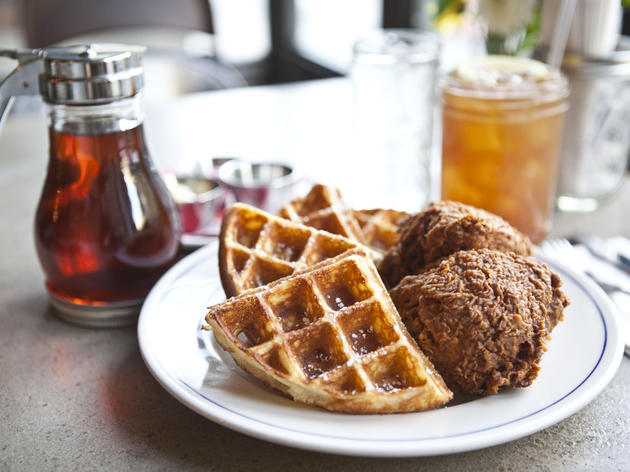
<point x="207" y="44"/>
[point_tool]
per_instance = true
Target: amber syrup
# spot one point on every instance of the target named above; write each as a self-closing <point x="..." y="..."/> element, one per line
<point x="106" y="228"/>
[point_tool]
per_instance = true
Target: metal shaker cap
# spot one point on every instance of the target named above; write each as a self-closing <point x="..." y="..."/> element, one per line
<point x="91" y="74"/>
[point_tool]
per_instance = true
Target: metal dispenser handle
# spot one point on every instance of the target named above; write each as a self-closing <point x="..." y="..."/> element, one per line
<point x="23" y="80"/>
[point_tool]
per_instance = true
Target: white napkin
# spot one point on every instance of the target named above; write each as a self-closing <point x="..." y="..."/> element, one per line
<point x="622" y="300"/>
<point x="608" y="273"/>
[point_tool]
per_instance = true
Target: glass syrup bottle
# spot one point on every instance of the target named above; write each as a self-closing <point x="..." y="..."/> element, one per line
<point x="106" y="227"/>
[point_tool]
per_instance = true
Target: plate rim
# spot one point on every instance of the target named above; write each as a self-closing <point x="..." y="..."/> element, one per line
<point x="612" y="353"/>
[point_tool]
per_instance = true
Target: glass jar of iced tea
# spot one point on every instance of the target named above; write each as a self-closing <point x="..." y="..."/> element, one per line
<point x="106" y="227"/>
<point x="502" y="123"/>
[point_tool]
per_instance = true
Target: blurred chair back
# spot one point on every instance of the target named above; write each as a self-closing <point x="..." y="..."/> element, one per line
<point x="48" y="22"/>
<point x="170" y="68"/>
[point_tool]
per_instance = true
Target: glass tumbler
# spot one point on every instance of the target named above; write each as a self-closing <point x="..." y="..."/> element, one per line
<point x="393" y="76"/>
<point x="596" y="144"/>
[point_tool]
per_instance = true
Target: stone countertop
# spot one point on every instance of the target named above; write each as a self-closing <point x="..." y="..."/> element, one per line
<point x="73" y="398"/>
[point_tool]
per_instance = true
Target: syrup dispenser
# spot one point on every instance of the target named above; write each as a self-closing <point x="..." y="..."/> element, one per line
<point x="106" y="227"/>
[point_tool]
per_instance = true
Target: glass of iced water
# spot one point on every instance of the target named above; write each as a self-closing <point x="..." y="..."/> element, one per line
<point x="393" y="75"/>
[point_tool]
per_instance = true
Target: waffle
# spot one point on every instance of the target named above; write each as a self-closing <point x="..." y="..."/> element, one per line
<point x="323" y="208"/>
<point x="329" y="336"/>
<point x="379" y="227"/>
<point x="256" y="248"/>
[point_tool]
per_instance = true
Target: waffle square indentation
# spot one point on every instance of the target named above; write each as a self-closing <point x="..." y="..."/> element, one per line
<point x="367" y="328"/>
<point x="239" y="259"/>
<point x="345" y="379"/>
<point x="295" y="305"/>
<point x="329" y="222"/>
<point x="325" y="247"/>
<point x="275" y="357"/>
<point x="285" y="243"/>
<point x="246" y="322"/>
<point x="264" y="272"/>
<point x="313" y="202"/>
<point x="344" y="286"/>
<point x="396" y="370"/>
<point x="249" y="229"/>
<point x="318" y="349"/>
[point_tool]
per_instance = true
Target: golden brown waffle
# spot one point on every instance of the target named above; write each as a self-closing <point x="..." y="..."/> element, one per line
<point x="330" y="336"/>
<point x="256" y="248"/>
<point x="323" y="208"/>
<point x="379" y="226"/>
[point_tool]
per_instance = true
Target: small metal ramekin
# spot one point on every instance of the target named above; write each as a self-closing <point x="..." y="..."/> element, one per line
<point x="266" y="185"/>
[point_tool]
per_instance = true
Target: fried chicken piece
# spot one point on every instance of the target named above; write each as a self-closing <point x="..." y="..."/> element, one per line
<point x="482" y="317"/>
<point x="443" y="228"/>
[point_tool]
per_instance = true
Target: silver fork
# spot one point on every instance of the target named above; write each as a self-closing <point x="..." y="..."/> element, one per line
<point x="562" y="250"/>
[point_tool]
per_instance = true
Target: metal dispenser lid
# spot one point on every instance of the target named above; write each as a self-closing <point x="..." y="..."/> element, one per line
<point x="91" y="74"/>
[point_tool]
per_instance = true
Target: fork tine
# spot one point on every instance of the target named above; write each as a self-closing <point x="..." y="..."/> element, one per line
<point x="557" y="248"/>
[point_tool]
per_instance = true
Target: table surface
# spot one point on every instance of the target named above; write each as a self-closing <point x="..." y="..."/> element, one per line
<point x="73" y="398"/>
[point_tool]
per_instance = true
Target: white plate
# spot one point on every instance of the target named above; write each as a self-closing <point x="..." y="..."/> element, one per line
<point x="583" y="356"/>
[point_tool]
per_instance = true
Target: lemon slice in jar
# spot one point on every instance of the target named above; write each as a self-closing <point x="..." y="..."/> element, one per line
<point x="504" y="72"/>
